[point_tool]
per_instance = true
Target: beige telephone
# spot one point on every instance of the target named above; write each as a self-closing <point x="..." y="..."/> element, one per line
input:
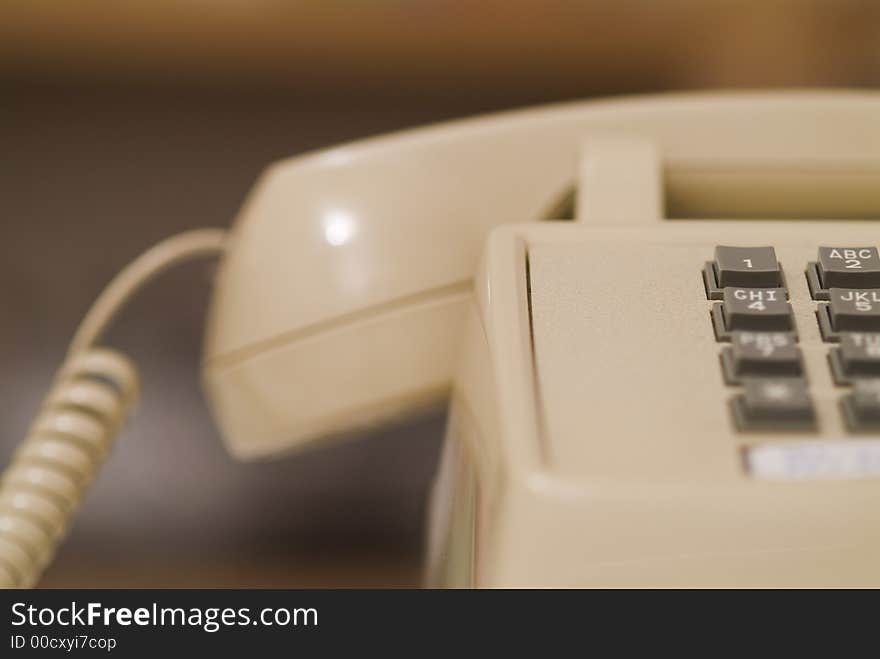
<point x="646" y="389"/>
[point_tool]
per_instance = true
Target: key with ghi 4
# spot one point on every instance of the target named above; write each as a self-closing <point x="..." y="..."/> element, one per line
<point x="756" y="309"/>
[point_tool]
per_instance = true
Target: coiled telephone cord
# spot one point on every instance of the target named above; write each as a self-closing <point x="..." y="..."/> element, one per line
<point x="92" y="395"/>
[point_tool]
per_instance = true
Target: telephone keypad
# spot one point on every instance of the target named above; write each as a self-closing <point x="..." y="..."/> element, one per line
<point x="849" y="279"/>
<point x="764" y="357"/>
<point x="774" y="404"/>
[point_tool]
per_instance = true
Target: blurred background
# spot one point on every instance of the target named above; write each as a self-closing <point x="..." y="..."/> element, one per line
<point x="124" y="122"/>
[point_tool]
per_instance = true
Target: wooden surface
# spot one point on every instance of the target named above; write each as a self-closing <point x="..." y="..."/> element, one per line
<point x="554" y="47"/>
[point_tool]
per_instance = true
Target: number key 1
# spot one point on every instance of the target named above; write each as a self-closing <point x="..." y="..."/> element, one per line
<point x="755" y="267"/>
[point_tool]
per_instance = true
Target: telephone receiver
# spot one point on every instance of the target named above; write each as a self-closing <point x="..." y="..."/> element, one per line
<point x="340" y="304"/>
<point x="611" y="294"/>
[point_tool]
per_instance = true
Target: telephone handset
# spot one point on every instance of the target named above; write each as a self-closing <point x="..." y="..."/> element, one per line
<point x="640" y="380"/>
<point x="341" y="304"/>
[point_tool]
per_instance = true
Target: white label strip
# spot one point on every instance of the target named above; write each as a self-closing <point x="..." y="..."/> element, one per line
<point x="817" y="460"/>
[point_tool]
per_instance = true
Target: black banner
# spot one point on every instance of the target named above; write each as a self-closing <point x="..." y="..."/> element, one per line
<point x="125" y="623"/>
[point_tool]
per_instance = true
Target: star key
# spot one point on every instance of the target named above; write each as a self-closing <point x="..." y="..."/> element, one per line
<point x="774" y="404"/>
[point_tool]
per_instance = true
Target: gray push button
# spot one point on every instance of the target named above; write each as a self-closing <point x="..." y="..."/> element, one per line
<point x="861" y="408"/>
<point x="849" y="267"/>
<point x="860" y="353"/>
<point x="756" y="309"/>
<point x="857" y="356"/>
<point x="755" y="267"/>
<point x="774" y="404"/>
<point x="761" y="354"/>
<point x="853" y="309"/>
